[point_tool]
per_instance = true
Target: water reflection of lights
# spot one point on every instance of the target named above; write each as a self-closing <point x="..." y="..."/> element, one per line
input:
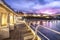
<point x="50" y="29"/>
<point x="38" y="22"/>
<point x="44" y="22"/>
<point x="50" y="24"/>
<point x="34" y="23"/>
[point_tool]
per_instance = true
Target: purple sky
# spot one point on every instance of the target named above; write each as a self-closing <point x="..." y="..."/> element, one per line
<point x="35" y="6"/>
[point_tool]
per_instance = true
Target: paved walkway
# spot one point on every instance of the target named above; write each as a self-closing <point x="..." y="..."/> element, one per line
<point x="17" y="33"/>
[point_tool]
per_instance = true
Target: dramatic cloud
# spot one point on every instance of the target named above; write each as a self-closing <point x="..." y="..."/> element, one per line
<point x="34" y="5"/>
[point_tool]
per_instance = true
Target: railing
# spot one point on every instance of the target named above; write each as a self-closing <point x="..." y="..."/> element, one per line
<point x="37" y="31"/>
<point x="45" y="27"/>
<point x="31" y="30"/>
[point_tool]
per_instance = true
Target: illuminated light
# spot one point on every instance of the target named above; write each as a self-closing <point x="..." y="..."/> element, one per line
<point x="4" y="20"/>
<point x="25" y="14"/>
<point x="34" y="15"/>
<point x="44" y="22"/>
<point x="11" y="24"/>
<point x="11" y="18"/>
<point x="15" y="19"/>
<point x="38" y="15"/>
<point x="34" y="23"/>
<point x="20" y="17"/>
<point x="47" y="17"/>
<point x="38" y="22"/>
<point x="44" y="15"/>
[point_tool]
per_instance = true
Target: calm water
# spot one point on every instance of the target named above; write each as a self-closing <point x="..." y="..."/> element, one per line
<point x="51" y="29"/>
<point x="53" y="24"/>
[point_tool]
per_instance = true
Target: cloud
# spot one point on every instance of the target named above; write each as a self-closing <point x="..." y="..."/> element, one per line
<point x="48" y="0"/>
<point x="53" y="4"/>
<point x="33" y="5"/>
<point x="49" y="5"/>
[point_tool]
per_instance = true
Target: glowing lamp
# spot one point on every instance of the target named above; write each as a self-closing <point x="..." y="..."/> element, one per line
<point x="11" y="19"/>
<point x="4" y="19"/>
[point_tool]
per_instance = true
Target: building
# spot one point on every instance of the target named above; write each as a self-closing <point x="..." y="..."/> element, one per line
<point x="7" y="20"/>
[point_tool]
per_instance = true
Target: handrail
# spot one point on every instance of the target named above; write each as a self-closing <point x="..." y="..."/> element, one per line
<point x="40" y="32"/>
<point x="31" y="29"/>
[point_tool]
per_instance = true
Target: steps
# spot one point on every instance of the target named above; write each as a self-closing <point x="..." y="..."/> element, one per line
<point x="21" y="32"/>
<point x="28" y="35"/>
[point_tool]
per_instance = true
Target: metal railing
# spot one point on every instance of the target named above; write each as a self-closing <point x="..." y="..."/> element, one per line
<point x="37" y="31"/>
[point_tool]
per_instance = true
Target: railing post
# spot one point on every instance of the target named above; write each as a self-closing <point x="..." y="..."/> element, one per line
<point x="0" y="19"/>
<point x="8" y="20"/>
<point x="36" y="32"/>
